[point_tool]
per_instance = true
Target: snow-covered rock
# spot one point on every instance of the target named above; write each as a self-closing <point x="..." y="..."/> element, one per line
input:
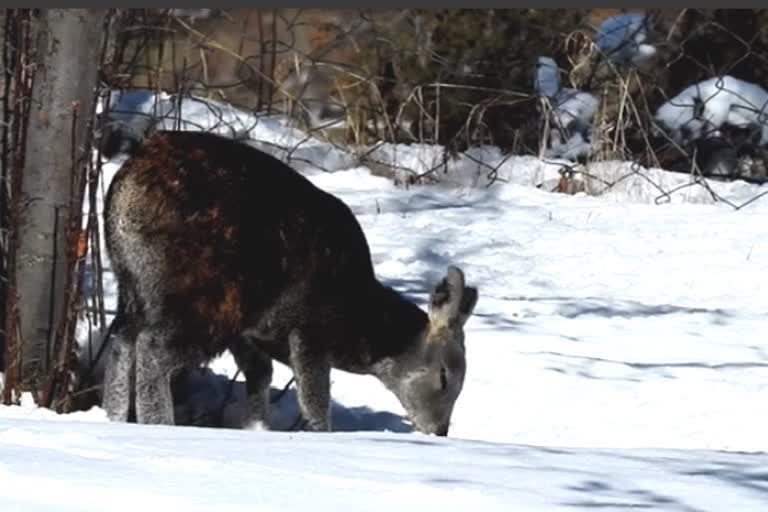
<point x="701" y="109"/>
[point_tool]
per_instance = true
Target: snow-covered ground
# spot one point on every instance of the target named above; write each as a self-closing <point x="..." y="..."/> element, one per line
<point x="76" y="466"/>
<point x="616" y="360"/>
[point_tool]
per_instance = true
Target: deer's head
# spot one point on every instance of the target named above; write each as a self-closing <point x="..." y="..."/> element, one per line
<point x="428" y="378"/>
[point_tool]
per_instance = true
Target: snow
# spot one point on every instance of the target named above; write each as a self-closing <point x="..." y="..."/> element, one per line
<point x="547" y="77"/>
<point x="136" y="111"/>
<point x="83" y="466"/>
<point x="193" y="13"/>
<point x="615" y="360"/>
<point x="623" y="38"/>
<point x="575" y="107"/>
<point x="701" y="109"/>
<point x="572" y="112"/>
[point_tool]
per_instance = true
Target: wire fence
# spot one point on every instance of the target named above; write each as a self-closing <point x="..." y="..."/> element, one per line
<point x="461" y="78"/>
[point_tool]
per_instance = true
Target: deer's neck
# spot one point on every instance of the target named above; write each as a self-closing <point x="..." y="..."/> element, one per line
<point x="389" y="327"/>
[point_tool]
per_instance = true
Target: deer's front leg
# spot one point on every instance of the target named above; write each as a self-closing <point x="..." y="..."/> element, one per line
<point x="312" y="369"/>
<point x="256" y="365"/>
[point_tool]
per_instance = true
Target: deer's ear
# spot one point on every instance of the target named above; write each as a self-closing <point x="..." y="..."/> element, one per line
<point x="451" y="302"/>
<point x="467" y="304"/>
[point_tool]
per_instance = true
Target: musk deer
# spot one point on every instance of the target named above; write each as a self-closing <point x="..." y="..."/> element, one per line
<point x="217" y="245"/>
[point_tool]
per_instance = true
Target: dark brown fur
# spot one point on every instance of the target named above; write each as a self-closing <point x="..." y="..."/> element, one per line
<point x="213" y="240"/>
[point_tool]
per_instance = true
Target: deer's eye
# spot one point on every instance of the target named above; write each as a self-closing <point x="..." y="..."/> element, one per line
<point x="443" y="378"/>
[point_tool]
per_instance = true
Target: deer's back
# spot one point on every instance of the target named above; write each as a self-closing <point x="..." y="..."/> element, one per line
<point x="220" y="234"/>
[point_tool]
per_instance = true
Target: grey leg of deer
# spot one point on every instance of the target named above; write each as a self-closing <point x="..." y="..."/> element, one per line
<point x="256" y="365"/>
<point x="313" y="382"/>
<point x="155" y="366"/>
<point x="119" y="376"/>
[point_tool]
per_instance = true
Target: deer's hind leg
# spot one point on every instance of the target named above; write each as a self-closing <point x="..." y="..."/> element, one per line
<point x="156" y="362"/>
<point x="119" y="373"/>
<point x="120" y="365"/>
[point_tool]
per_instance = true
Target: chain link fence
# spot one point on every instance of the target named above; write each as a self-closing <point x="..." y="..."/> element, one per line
<point x="465" y="77"/>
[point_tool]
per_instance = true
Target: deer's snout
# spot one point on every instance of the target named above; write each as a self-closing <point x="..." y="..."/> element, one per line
<point x="438" y="429"/>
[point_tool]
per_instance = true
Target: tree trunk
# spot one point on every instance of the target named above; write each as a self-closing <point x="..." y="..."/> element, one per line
<point x="68" y="44"/>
